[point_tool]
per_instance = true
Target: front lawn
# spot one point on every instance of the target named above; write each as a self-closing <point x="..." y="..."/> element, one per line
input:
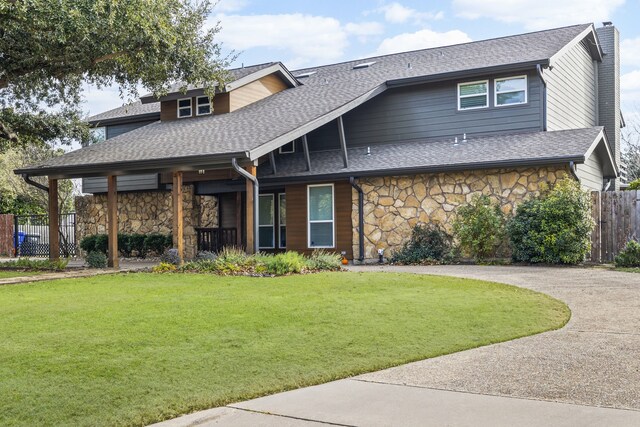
<point x="132" y="349"/>
<point x="9" y="274"/>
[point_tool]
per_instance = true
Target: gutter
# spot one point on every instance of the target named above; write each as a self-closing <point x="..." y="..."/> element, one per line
<point x="544" y="96"/>
<point x="352" y="181"/>
<point x="573" y="170"/>
<point x="29" y="181"/>
<point x="256" y="192"/>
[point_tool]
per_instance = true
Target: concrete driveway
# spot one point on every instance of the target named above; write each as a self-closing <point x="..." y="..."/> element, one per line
<point x="587" y="373"/>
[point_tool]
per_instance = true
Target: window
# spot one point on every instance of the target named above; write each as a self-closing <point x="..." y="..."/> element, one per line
<point x="320" y="209"/>
<point x="203" y="106"/>
<point x="266" y="237"/>
<point x="473" y="95"/>
<point x="282" y="220"/>
<point x="288" y="148"/>
<point x="184" y="108"/>
<point x="98" y="134"/>
<point x="511" y="91"/>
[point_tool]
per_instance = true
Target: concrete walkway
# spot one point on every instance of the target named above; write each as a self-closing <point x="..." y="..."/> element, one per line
<point x="586" y="374"/>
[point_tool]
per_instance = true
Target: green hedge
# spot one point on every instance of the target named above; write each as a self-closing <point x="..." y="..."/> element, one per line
<point x="128" y="244"/>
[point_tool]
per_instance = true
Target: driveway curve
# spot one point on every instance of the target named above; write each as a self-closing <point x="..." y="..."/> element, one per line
<point x="594" y="360"/>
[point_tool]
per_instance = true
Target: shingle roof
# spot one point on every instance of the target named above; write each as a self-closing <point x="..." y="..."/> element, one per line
<point x="507" y="150"/>
<point x="324" y="92"/>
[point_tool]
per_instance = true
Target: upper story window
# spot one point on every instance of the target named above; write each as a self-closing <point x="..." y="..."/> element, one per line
<point x="511" y="91"/>
<point x="473" y="95"/>
<point x="184" y="108"/>
<point x="203" y="106"/>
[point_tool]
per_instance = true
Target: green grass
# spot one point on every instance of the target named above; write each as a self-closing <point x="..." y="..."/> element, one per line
<point x="137" y="348"/>
<point x="8" y="274"/>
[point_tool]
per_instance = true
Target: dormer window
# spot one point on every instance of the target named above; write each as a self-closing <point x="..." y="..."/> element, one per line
<point x="203" y="106"/>
<point x="184" y="108"/>
<point x="288" y="148"/>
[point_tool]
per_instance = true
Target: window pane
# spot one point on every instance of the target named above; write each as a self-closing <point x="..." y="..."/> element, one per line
<point x="321" y="234"/>
<point x="511" y="84"/>
<point x="265" y="239"/>
<point x="288" y="148"/>
<point x="184" y="103"/>
<point x="510" y="98"/>
<point x="203" y="100"/>
<point x="321" y="203"/>
<point x="283" y="210"/>
<point x="184" y="112"/>
<point x="473" y="89"/>
<point x="204" y="109"/>
<point x="283" y="237"/>
<point x="473" y="102"/>
<point x="265" y="210"/>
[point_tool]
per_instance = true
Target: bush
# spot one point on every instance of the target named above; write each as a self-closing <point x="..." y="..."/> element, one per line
<point x="102" y="243"/>
<point x="322" y="260"/>
<point x="170" y="256"/>
<point x="88" y="243"/>
<point x="96" y="242"/>
<point x="553" y="228"/>
<point x="164" y="267"/>
<point x="97" y="259"/>
<point x="428" y="244"/>
<point x="480" y="228"/>
<point x="124" y="244"/>
<point x="156" y="243"/>
<point x="136" y="243"/>
<point x="206" y="256"/>
<point x="35" y="264"/>
<point x="634" y="185"/>
<point x="630" y="255"/>
<point x="233" y="260"/>
<point x="283" y="263"/>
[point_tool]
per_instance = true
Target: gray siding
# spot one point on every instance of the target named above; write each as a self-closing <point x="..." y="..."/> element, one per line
<point x="571" y="90"/>
<point x="431" y="112"/>
<point x="590" y="173"/>
<point x="128" y="182"/>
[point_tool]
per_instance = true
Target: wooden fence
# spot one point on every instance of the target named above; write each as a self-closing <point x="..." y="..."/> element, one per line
<point x="6" y="235"/>
<point x="617" y="218"/>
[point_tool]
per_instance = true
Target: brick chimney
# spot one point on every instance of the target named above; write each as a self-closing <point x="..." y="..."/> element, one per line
<point x="609" y="88"/>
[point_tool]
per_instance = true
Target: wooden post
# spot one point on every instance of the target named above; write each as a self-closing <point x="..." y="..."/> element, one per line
<point x="112" y="221"/>
<point x="249" y="211"/>
<point x="178" y="217"/>
<point x="54" y="218"/>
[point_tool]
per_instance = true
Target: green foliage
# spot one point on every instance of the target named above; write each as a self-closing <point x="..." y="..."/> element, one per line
<point x="206" y="256"/>
<point x="127" y="243"/>
<point x="49" y="50"/>
<point x="88" y="243"/>
<point x="634" y="185"/>
<point x="428" y="244"/>
<point x="136" y="243"/>
<point x="170" y="256"/>
<point x="321" y="260"/>
<point x="164" y="267"/>
<point x="95" y="242"/>
<point x="102" y="243"/>
<point x="156" y="243"/>
<point x="630" y="255"/>
<point x="281" y="264"/>
<point x="35" y="264"/>
<point x="96" y="259"/>
<point x="124" y="244"/>
<point x="553" y="228"/>
<point x="480" y="228"/>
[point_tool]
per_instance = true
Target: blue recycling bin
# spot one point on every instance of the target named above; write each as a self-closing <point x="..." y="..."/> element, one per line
<point x="21" y="235"/>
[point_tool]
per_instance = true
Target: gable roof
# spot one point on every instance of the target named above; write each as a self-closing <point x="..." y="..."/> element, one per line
<point x="332" y="90"/>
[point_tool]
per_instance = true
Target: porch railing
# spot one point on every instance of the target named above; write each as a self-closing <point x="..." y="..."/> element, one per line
<point x="214" y="239"/>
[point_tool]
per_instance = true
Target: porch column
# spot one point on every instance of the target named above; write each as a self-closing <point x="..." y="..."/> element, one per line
<point x="178" y="217"/>
<point x="54" y="233"/>
<point x="112" y="221"/>
<point x="250" y="206"/>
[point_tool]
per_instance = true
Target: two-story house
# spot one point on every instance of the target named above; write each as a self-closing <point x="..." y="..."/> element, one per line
<point x="349" y="156"/>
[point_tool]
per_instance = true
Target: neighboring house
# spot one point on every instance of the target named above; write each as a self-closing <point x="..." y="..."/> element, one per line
<point x="348" y="157"/>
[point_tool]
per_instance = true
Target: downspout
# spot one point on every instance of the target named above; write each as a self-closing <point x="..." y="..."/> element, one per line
<point x="29" y="181"/>
<point x="352" y="181"/>
<point x="256" y="192"/>
<point x="544" y="97"/>
<point x="572" y="168"/>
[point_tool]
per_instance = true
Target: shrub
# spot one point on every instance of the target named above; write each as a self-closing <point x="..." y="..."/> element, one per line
<point x="124" y="244"/>
<point x="88" y="243"/>
<point x="233" y="260"/>
<point x="136" y="243"/>
<point x="553" y="228"/>
<point x="634" y="185"/>
<point x="480" y="228"/>
<point x="283" y="263"/>
<point x="170" y="256"/>
<point x="630" y="255"/>
<point x="164" y="267"/>
<point x="155" y="242"/>
<point x="323" y="260"/>
<point x="35" y="264"/>
<point x="102" y="243"/>
<point x="428" y="244"/>
<point x="206" y="256"/>
<point x="96" y="259"/>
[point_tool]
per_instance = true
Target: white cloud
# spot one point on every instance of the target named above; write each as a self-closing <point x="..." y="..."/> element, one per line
<point x="538" y="14"/>
<point x="422" y="39"/>
<point x="364" y="28"/>
<point x="630" y="81"/>
<point x="630" y="52"/>
<point x="229" y="6"/>
<point x="399" y="14"/>
<point x="630" y="94"/>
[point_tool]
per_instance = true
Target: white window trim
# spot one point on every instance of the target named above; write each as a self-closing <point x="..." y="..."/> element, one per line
<point x="332" y="221"/>
<point x="495" y="91"/>
<point x="273" y="224"/>
<point x="280" y="225"/>
<point x="293" y="148"/>
<point x="178" y="108"/>
<point x="486" y="94"/>
<point x="203" y="105"/>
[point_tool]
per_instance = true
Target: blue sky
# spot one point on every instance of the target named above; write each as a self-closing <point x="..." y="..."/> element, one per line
<point x="305" y="33"/>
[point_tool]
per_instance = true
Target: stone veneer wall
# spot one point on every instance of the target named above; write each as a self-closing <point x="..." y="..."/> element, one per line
<point x="147" y="212"/>
<point x="393" y="205"/>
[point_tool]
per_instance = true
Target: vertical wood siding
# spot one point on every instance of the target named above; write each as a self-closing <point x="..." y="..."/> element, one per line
<point x="571" y="91"/>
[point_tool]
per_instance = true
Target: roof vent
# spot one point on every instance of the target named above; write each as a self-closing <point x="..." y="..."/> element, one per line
<point x="303" y="75"/>
<point x="363" y="65"/>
